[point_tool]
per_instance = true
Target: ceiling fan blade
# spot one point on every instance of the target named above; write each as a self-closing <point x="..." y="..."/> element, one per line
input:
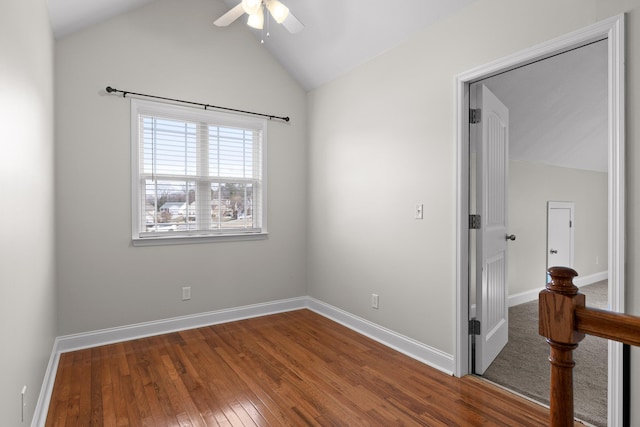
<point x="292" y="24"/>
<point x="230" y="16"/>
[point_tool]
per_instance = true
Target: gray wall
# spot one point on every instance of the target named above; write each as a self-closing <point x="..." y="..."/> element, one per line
<point x="382" y="138"/>
<point x="28" y="300"/>
<point x="531" y="186"/>
<point x="169" y="48"/>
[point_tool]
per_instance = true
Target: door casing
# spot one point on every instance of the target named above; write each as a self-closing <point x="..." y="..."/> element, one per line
<point x="612" y="30"/>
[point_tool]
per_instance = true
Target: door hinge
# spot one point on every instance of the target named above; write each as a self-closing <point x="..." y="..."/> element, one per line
<point x="570" y="224"/>
<point x="475" y="115"/>
<point x="474" y="327"/>
<point x="474" y="222"/>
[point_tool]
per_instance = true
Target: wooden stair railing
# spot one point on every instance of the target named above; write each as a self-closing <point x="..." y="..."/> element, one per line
<point x="563" y="321"/>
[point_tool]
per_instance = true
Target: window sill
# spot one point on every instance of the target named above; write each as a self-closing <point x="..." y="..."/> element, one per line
<point x="189" y="240"/>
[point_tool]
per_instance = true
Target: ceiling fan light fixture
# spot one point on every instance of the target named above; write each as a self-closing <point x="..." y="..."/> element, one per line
<point x="277" y="10"/>
<point x="256" y="20"/>
<point x="251" y="7"/>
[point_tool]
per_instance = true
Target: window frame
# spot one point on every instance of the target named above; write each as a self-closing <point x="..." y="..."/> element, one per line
<point x="189" y="114"/>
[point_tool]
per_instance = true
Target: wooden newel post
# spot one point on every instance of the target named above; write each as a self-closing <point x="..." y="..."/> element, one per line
<point x="557" y="304"/>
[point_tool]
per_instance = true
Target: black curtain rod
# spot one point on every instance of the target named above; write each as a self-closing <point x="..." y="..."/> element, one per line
<point x="124" y="93"/>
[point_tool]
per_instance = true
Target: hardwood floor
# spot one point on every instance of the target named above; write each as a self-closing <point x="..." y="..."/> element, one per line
<point x="289" y="369"/>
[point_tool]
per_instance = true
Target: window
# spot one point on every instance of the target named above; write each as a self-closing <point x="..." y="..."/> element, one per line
<point x="196" y="173"/>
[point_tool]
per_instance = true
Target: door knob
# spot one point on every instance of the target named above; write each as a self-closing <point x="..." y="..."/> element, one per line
<point x="511" y="237"/>
<point x="553" y="251"/>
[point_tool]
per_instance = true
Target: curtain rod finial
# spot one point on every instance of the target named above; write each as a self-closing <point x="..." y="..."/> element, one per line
<point x="109" y="89"/>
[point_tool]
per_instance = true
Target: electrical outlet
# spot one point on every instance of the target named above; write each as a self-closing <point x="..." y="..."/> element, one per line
<point x="374" y="300"/>
<point x="23" y="401"/>
<point x="186" y="293"/>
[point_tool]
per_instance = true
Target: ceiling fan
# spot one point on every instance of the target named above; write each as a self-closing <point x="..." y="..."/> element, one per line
<point x="255" y="9"/>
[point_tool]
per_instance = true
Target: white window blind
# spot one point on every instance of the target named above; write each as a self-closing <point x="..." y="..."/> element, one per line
<point x="197" y="173"/>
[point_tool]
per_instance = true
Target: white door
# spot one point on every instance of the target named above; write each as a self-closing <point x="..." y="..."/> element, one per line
<point x="560" y="234"/>
<point x="491" y="136"/>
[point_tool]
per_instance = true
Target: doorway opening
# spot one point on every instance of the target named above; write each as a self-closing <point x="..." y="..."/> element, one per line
<point x="561" y="236"/>
<point x="610" y="32"/>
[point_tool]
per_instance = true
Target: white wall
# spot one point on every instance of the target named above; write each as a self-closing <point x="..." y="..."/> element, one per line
<point x="531" y="186"/>
<point x="382" y="138"/>
<point x="169" y="48"/>
<point x="27" y="304"/>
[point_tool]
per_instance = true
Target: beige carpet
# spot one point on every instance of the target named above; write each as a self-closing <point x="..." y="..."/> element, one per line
<point x="523" y="365"/>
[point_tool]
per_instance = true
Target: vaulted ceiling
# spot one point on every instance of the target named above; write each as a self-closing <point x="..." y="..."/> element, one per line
<point x="558" y="106"/>
<point x="338" y="35"/>
<point x="558" y="109"/>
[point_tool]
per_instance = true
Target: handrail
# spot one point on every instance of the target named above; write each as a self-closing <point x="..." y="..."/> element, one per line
<point x="563" y="321"/>
<point x="607" y="324"/>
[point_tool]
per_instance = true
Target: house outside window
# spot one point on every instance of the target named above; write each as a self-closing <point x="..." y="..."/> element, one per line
<point x="198" y="175"/>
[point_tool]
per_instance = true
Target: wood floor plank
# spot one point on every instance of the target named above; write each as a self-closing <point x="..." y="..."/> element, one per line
<point x="139" y="379"/>
<point x="193" y="383"/>
<point x="166" y="390"/>
<point x="62" y="384"/>
<point x="288" y="369"/>
<point x="108" y="408"/>
<point x="95" y="403"/>
<point x="223" y="390"/>
<point x="73" y="405"/>
<point x="119" y="371"/>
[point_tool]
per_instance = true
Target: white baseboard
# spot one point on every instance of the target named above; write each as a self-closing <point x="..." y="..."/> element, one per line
<point x="140" y="330"/>
<point x="532" y="295"/>
<point x="410" y="347"/>
<point x="414" y="349"/>
<point x="591" y="279"/>
<point x="42" y="405"/>
<point x="522" y="297"/>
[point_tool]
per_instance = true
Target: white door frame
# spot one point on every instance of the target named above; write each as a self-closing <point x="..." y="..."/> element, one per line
<point x="613" y="30"/>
